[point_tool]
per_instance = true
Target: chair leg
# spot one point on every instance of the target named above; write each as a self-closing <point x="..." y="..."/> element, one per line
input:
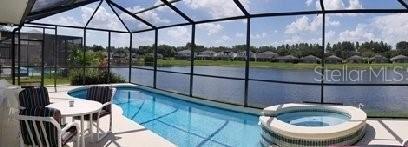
<point x="110" y="122"/>
<point x="97" y="129"/>
<point x="76" y="142"/>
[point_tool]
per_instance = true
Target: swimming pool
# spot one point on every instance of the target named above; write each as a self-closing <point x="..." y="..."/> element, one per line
<point x="185" y="123"/>
<point x="312" y="125"/>
<point x="313" y="118"/>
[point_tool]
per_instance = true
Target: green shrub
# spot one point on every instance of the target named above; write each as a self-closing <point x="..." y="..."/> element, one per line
<point x="149" y="60"/>
<point x="94" y="77"/>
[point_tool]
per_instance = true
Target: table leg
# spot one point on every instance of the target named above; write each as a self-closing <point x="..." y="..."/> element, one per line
<point x="90" y="126"/>
<point x="82" y="131"/>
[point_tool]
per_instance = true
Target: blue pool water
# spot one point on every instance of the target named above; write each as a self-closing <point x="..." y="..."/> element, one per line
<point x="185" y="123"/>
<point x="313" y="119"/>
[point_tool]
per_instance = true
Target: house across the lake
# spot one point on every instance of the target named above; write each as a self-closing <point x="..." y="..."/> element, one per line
<point x="184" y="54"/>
<point x="310" y="59"/>
<point x="243" y="56"/>
<point x="333" y="59"/>
<point x="207" y="55"/>
<point x="355" y="59"/>
<point x="266" y="56"/>
<point x="119" y="57"/>
<point x="378" y="59"/>
<point x="288" y="58"/>
<point x="227" y="55"/>
<point x="399" y="59"/>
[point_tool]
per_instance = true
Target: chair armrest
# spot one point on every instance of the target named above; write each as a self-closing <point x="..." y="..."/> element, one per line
<point x="104" y="105"/>
<point x="107" y="104"/>
<point x="71" y="124"/>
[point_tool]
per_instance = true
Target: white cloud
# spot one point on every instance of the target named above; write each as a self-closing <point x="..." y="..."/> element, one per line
<point x="304" y="24"/>
<point x="332" y="5"/>
<point x="293" y="39"/>
<point x="103" y="18"/>
<point x="150" y="16"/>
<point x="100" y="16"/>
<point x="240" y="35"/>
<point x="258" y="36"/>
<point x="217" y="8"/>
<point x="333" y="23"/>
<point x="330" y="36"/>
<point x="339" y="4"/>
<point x="62" y="20"/>
<point x="360" y="33"/>
<point x="308" y="2"/>
<point x="354" y="4"/>
<point x="132" y="23"/>
<point x="211" y="28"/>
<point x="253" y="36"/>
<point x="300" y="24"/>
<point x="175" y="36"/>
<point x="223" y="41"/>
<point x="392" y="28"/>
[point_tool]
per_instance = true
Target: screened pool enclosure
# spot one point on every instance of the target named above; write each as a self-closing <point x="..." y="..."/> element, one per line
<point x="177" y="46"/>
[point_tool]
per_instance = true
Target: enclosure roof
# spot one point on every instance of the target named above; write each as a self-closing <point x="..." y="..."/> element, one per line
<point x="13" y="11"/>
<point x="188" y="12"/>
<point x="44" y="8"/>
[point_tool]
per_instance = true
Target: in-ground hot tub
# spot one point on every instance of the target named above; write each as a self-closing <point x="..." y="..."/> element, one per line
<point x="312" y="125"/>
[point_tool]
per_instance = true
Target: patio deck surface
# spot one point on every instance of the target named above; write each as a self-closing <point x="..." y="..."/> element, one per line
<point x="380" y="132"/>
<point x="125" y="132"/>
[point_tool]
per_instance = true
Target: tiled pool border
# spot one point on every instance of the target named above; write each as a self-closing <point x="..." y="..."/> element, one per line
<point x="277" y="132"/>
<point x="269" y="138"/>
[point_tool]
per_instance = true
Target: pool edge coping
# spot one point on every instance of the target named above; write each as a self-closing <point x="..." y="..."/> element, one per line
<point x="230" y="107"/>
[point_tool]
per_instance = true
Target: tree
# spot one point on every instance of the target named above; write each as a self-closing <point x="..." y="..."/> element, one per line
<point x="376" y="47"/>
<point x="402" y="45"/>
<point x="329" y="48"/>
<point x="97" y="48"/>
<point x="76" y="58"/>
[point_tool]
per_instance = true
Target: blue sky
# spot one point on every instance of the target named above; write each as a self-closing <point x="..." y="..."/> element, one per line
<point x="390" y="28"/>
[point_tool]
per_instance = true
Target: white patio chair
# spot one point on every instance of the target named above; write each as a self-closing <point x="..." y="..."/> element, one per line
<point x="41" y="127"/>
<point x="405" y="143"/>
<point x="104" y="95"/>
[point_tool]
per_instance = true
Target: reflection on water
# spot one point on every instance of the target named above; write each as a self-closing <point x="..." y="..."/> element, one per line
<point x="391" y="100"/>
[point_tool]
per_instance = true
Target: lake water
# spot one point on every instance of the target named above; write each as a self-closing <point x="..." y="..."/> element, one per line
<point x="377" y="100"/>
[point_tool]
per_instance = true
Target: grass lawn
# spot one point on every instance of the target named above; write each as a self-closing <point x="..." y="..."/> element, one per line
<point x="48" y="80"/>
<point x="277" y="65"/>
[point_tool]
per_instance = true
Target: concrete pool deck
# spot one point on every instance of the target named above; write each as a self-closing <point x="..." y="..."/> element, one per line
<point x="380" y="132"/>
<point x="125" y="132"/>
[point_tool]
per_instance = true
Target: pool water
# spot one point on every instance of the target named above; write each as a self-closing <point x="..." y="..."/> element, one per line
<point x="185" y="123"/>
<point x="313" y="119"/>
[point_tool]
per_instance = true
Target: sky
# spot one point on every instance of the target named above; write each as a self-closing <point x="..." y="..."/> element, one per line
<point x="390" y="28"/>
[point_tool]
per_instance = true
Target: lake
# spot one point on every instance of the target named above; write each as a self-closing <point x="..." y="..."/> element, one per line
<point x="377" y="100"/>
